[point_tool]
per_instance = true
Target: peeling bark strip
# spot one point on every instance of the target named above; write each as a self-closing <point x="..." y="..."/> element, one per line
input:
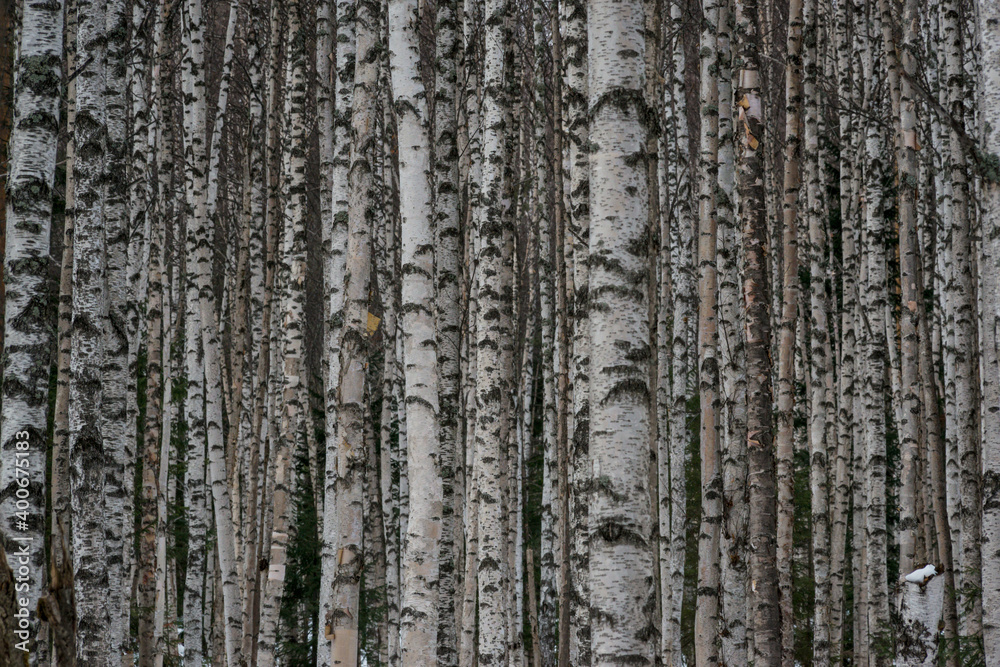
<point x="28" y="334"/>
<point x="622" y="599"/>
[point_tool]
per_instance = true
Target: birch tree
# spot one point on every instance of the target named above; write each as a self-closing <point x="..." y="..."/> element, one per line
<point x="785" y="432"/>
<point x="88" y="456"/>
<point x="962" y="293"/>
<point x="27" y="334"/>
<point x="335" y="68"/>
<point x="446" y="294"/>
<point x="874" y="347"/>
<point x="575" y="43"/>
<point x="421" y="553"/>
<point x="989" y="39"/>
<point x="682" y="263"/>
<point x="491" y="566"/>
<point x="707" y="605"/>
<point x="341" y="620"/>
<point x="763" y="596"/>
<point x="620" y="522"/>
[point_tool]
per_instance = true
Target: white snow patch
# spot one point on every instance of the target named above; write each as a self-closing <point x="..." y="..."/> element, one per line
<point x="922" y="575"/>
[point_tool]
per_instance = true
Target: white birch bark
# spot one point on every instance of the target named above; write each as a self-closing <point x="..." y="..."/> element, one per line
<point x="421" y="553"/>
<point x="920" y="608"/>
<point x="682" y="263"/>
<point x="119" y="441"/>
<point x="492" y="572"/>
<point x="164" y="571"/>
<point x="785" y="435"/>
<point x="200" y="235"/>
<point x="818" y="336"/>
<point x="549" y="553"/>
<point x="576" y="121"/>
<point x="390" y="444"/>
<point x="27" y="336"/>
<point x="60" y="486"/>
<point x="88" y="456"/>
<point x="335" y="62"/>
<point x="873" y="300"/>
<point x="195" y="482"/>
<point x="910" y="285"/>
<point x="989" y="90"/>
<point x="448" y="312"/>
<point x="847" y="355"/>
<point x="342" y="619"/>
<point x="707" y="605"/>
<point x="732" y="362"/>
<point x="151" y="558"/>
<point x="291" y="438"/>
<point x="472" y="151"/>
<point x="620" y="521"/>
<point x="963" y="297"/>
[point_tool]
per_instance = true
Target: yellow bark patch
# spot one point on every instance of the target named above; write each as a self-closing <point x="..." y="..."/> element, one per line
<point x="343" y="650"/>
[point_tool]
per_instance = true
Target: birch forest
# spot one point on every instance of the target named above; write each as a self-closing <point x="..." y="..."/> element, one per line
<point x="500" y="333"/>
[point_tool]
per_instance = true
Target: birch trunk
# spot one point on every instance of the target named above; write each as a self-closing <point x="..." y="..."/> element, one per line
<point x="387" y="271"/>
<point x="818" y="338"/>
<point x="342" y="619"/>
<point x="546" y="194"/>
<point x="88" y="455"/>
<point x="847" y="356"/>
<point x="200" y="273"/>
<point x="472" y="149"/>
<point x="989" y="80"/>
<point x="254" y="396"/>
<point x="963" y="297"/>
<point x="785" y="434"/>
<point x="763" y="597"/>
<point x="447" y="243"/>
<point x="164" y="571"/>
<point x="491" y="566"/>
<point x="150" y="593"/>
<point x="921" y="603"/>
<point x="422" y="550"/>
<point x="873" y="301"/>
<point x="620" y="521"/>
<point x="119" y="441"/>
<point x="60" y="482"/>
<point x="911" y="284"/>
<point x="574" y="22"/>
<point x="336" y="68"/>
<point x="291" y="439"/>
<point x="195" y="483"/>
<point x="683" y="366"/>
<point x="27" y="336"/>
<point x="732" y="381"/>
<point x="707" y="605"/>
